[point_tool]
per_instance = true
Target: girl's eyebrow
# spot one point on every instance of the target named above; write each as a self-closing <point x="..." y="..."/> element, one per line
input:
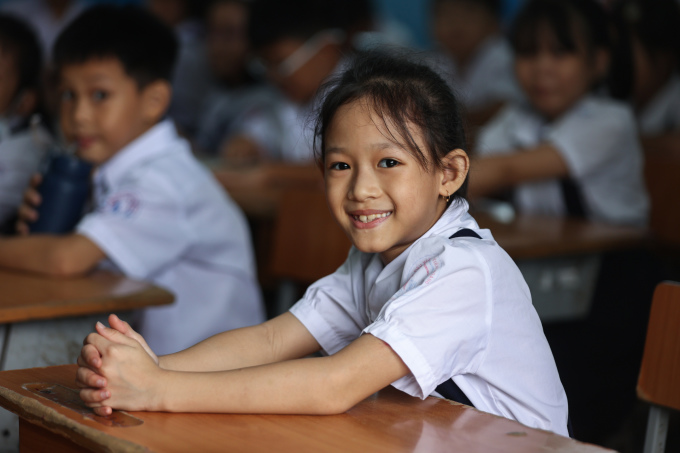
<point x="374" y="146"/>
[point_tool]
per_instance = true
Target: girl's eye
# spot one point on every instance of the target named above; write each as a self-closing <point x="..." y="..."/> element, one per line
<point x="99" y="95"/>
<point x="339" y="166"/>
<point x="388" y="163"/>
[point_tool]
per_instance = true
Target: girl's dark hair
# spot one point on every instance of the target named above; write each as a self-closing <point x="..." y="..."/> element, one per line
<point x="401" y="92"/>
<point x="141" y="42"/>
<point x="567" y="19"/>
<point x="17" y="38"/>
<point x="655" y="23"/>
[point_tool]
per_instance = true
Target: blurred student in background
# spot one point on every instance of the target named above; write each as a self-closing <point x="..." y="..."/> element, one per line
<point x="477" y="57"/>
<point x="46" y="17"/>
<point x="191" y="79"/>
<point x="567" y="151"/>
<point x="237" y="90"/>
<point x="297" y="54"/>
<point x="22" y="145"/>
<point x="653" y="27"/>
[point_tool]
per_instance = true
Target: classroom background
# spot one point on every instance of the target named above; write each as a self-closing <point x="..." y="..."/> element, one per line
<point x="248" y="131"/>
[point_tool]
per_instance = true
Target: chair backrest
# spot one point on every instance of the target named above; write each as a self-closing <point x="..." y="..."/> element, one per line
<point x="659" y="380"/>
<point x="308" y="244"/>
<point x="662" y="175"/>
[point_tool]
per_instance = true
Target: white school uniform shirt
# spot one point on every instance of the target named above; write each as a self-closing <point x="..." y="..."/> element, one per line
<point x="161" y="216"/>
<point x="597" y="139"/>
<point x="662" y="113"/>
<point x="450" y="308"/>
<point x="488" y="78"/>
<point x="21" y="154"/>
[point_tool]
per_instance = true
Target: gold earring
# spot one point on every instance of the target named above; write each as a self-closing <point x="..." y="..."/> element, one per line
<point x="448" y="197"/>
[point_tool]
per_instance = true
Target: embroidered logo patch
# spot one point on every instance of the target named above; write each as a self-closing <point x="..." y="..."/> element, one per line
<point x="125" y="204"/>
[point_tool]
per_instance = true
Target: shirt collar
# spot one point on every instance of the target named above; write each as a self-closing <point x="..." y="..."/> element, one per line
<point x="148" y="145"/>
<point x="455" y="217"/>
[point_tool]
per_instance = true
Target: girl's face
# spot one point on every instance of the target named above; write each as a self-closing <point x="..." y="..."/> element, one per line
<point x="554" y="79"/>
<point x="377" y="191"/>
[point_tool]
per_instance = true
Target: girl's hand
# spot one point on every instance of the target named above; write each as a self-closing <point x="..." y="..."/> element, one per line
<point x="123" y="327"/>
<point x="131" y="377"/>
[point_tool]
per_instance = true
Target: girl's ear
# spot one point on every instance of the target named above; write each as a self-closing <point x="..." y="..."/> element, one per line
<point x="455" y="166"/>
<point x="156" y="100"/>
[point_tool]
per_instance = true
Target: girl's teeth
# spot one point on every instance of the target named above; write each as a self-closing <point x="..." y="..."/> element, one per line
<point x="372" y="217"/>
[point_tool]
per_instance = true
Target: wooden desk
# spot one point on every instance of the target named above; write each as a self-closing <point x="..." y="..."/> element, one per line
<point x="29" y="297"/>
<point x="389" y="421"/>
<point x="44" y="320"/>
<point x="532" y="236"/>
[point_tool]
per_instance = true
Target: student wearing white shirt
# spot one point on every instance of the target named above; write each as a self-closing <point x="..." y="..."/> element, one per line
<point x="425" y="301"/>
<point x="565" y="152"/>
<point x="22" y="145"/>
<point x="158" y="215"/>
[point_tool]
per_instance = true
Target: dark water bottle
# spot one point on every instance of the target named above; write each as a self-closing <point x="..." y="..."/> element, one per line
<point x="64" y="190"/>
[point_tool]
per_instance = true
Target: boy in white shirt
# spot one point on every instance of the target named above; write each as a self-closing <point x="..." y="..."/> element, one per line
<point x="158" y="214"/>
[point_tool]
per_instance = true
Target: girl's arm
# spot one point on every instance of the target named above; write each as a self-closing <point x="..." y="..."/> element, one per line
<point x="281" y="338"/>
<point x="491" y="174"/>
<point x="321" y="385"/>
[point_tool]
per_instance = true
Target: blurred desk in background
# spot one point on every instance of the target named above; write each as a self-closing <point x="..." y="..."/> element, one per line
<point x="44" y="320"/>
<point x="389" y="421"/>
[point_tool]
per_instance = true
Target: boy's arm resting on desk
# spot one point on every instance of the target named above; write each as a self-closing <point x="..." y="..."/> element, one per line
<point x="67" y="255"/>
<point x="320" y="385"/>
<point x="490" y="174"/>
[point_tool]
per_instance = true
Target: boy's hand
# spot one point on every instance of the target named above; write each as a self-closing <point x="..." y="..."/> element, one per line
<point x="126" y="375"/>
<point x="27" y="210"/>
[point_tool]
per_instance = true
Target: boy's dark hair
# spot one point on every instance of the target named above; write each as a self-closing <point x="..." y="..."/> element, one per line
<point x="273" y="20"/>
<point x="567" y="19"/>
<point x="492" y="6"/>
<point x="401" y="91"/>
<point x="145" y="46"/>
<point x="18" y="39"/>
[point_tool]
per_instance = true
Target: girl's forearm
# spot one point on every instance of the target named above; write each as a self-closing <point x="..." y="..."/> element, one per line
<point x="321" y="385"/>
<point x="282" y="338"/>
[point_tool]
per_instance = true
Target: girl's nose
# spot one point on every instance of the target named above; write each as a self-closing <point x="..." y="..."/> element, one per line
<point x="365" y="185"/>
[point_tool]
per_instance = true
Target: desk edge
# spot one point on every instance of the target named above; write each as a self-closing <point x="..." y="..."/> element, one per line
<point x="45" y="416"/>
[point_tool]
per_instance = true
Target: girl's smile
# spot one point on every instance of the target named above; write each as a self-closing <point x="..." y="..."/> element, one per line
<point x="378" y="191"/>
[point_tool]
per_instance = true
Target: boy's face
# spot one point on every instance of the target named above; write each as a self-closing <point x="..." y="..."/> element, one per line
<point x="101" y="108"/>
<point x="9" y="80"/>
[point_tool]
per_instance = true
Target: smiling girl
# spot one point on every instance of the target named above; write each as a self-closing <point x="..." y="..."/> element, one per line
<point x="426" y="301"/>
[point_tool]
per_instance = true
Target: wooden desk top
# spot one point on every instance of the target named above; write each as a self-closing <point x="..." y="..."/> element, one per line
<point x="534" y="236"/>
<point x="387" y="422"/>
<point x="27" y="296"/>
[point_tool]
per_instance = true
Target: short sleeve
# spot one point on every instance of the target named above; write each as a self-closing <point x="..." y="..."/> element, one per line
<point x="139" y="228"/>
<point x="438" y="322"/>
<point x="590" y="139"/>
<point x="329" y="308"/>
